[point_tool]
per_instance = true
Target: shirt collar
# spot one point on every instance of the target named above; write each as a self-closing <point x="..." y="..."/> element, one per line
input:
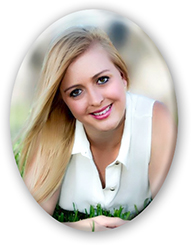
<point x="126" y="137"/>
<point x="81" y="143"/>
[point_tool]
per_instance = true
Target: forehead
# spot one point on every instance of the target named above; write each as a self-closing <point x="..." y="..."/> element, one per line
<point x="94" y="60"/>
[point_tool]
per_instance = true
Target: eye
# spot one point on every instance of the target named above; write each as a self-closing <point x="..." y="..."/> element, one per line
<point x="75" y="92"/>
<point x="103" y="80"/>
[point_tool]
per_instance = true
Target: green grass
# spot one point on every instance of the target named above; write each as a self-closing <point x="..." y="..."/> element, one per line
<point x="72" y="216"/>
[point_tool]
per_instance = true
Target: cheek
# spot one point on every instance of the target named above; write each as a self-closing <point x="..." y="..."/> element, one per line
<point x="76" y="108"/>
<point x="117" y="91"/>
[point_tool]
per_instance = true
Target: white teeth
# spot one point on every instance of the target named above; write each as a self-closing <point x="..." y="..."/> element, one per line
<point x="103" y="112"/>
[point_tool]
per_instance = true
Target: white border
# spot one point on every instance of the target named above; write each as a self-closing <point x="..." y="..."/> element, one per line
<point x="167" y="219"/>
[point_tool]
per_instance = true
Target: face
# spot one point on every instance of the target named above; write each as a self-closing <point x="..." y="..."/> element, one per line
<point x="95" y="91"/>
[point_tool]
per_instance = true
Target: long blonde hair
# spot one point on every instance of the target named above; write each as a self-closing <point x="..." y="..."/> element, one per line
<point x="49" y="135"/>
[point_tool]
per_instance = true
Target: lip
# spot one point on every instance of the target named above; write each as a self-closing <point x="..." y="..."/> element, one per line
<point x="102" y="116"/>
<point x="98" y="111"/>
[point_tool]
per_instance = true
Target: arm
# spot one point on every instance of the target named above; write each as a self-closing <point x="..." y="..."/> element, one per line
<point x="162" y="146"/>
<point x="50" y="204"/>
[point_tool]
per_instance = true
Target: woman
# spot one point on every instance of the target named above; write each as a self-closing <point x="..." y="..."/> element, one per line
<point x="88" y="140"/>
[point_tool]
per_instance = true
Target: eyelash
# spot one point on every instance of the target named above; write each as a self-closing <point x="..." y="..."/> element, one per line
<point x="104" y="77"/>
<point x="73" y="93"/>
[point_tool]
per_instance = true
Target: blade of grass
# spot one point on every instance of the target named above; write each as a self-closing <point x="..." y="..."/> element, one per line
<point x="93" y="226"/>
<point x="136" y="209"/>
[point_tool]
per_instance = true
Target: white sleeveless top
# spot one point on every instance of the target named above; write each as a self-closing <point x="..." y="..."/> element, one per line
<point x="126" y="179"/>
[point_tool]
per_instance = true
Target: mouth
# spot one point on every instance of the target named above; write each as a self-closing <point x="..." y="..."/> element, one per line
<point x="103" y="113"/>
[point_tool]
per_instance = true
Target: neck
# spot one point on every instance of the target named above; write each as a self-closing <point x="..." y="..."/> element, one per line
<point x="106" y="140"/>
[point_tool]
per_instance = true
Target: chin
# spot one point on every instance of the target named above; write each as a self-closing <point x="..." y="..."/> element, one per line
<point x="110" y="126"/>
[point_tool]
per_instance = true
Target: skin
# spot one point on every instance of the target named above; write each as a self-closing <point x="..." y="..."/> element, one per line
<point x="90" y="88"/>
<point x="163" y="143"/>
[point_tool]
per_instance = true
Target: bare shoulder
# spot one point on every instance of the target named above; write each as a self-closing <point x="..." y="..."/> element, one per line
<point x="160" y="113"/>
<point x="162" y="145"/>
<point x="163" y="124"/>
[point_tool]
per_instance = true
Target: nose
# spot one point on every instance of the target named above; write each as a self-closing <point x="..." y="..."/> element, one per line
<point x="95" y="97"/>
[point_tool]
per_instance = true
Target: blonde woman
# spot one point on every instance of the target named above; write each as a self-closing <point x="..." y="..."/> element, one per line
<point x="88" y="140"/>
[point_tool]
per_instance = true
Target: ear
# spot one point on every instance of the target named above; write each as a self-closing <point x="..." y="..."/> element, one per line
<point x="124" y="79"/>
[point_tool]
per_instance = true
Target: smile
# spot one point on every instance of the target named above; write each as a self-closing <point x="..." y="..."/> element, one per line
<point x="102" y="114"/>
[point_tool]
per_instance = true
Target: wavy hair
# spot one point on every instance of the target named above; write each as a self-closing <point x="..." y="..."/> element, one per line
<point x="47" y="142"/>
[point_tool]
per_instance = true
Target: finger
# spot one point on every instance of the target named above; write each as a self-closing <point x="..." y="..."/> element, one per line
<point x="110" y="222"/>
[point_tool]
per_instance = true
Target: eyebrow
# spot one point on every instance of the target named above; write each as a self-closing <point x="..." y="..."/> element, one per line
<point x="93" y="78"/>
<point x="98" y="74"/>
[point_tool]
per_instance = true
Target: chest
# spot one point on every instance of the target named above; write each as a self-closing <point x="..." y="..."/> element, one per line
<point x="102" y="159"/>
